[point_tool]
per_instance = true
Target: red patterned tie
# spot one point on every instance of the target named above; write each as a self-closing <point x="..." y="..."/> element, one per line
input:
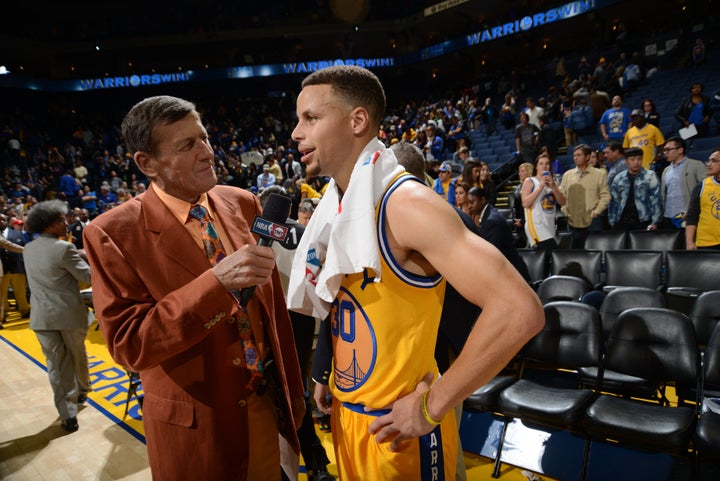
<point x="216" y="252"/>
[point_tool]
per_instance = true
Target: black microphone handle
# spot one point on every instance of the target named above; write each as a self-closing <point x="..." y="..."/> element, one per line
<point x="247" y="292"/>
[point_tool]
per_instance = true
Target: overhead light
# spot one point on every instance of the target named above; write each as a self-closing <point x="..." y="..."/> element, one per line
<point x="4" y="70"/>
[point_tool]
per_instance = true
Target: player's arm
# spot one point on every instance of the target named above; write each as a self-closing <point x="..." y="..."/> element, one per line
<point x="511" y="314"/>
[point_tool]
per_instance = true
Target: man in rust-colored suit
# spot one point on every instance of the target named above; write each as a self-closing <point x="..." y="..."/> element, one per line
<point x="166" y="309"/>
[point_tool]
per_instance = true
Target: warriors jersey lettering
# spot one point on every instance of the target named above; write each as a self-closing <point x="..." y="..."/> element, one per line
<point x="384" y="333"/>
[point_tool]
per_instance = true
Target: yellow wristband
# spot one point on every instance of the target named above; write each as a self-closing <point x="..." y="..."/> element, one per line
<point x="425" y="412"/>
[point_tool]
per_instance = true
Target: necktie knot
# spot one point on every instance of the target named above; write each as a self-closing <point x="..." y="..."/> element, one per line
<point x="199" y="212"/>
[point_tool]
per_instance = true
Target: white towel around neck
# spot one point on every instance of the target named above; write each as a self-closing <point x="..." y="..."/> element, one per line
<point x="341" y="237"/>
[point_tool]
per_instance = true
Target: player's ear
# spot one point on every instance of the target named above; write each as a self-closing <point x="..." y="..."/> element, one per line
<point x="360" y="119"/>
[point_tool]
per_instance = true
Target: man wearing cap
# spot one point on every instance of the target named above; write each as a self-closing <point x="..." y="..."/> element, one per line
<point x="266" y="179"/>
<point x="443" y="184"/>
<point x="615" y="120"/>
<point x="634" y="196"/>
<point x="14" y="270"/>
<point x="645" y="136"/>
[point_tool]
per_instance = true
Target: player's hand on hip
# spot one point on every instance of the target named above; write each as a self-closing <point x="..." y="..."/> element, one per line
<point x="405" y="421"/>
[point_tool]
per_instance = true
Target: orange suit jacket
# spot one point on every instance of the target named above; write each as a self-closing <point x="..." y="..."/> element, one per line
<point x="165" y="315"/>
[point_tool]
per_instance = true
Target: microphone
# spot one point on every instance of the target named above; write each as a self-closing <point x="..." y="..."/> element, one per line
<point x="270" y="226"/>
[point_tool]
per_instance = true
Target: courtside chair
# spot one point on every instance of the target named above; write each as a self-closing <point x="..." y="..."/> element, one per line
<point x="659" y="345"/>
<point x="689" y="274"/>
<point x="570" y="339"/>
<point x="536" y="261"/>
<point x="625" y="268"/>
<point x="705" y="316"/>
<point x="562" y="288"/>
<point x="607" y="240"/>
<point x="707" y="436"/>
<point x="660" y="240"/>
<point x="588" y="261"/>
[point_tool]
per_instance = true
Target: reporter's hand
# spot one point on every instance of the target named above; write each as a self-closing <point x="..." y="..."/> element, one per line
<point x="251" y="265"/>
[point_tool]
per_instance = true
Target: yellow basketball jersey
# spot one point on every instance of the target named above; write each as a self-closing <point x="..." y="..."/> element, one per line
<point x="384" y="333"/>
<point x="708" y="229"/>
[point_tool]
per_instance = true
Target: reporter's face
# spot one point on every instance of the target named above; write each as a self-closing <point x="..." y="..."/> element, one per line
<point x="181" y="163"/>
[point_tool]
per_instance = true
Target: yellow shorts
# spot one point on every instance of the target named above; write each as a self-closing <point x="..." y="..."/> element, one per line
<point x="359" y="457"/>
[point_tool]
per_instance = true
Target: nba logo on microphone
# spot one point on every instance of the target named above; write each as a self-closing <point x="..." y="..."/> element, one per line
<point x="265" y="228"/>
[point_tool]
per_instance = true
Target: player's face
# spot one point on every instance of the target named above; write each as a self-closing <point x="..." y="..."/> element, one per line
<point x="324" y="130"/>
<point x="181" y="163"/>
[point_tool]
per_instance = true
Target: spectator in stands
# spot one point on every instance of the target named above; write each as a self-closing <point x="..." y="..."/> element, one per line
<point x="698" y="53"/>
<point x="615" y="121"/>
<point x="566" y="107"/>
<point x="456" y="132"/>
<point x="650" y="112"/>
<point x="462" y="154"/>
<point x="645" y="136"/>
<point x="695" y="110"/>
<point x="486" y="183"/>
<point x="461" y="201"/>
<point x="305" y="211"/>
<point x="68" y="188"/>
<point x="678" y="181"/>
<point x="79" y="221"/>
<point x="433" y="148"/>
<point x="581" y="119"/>
<point x="274" y="168"/>
<point x="266" y="179"/>
<point x="490" y="114"/>
<point x="533" y="111"/>
<point x="597" y="159"/>
<point x="526" y="138"/>
<point x="538" y="197"/>
<point x="443" y="184"/>
<point x="634" y="196"/>
<point x="507" y="112"/>
<point x="601" y="74"/>
<point x="614" y="160"/>
<point x="584" y="195"/>
<point x="89" y="200"/>
<point x="702" y="230"/>
<point x="547" y="137"/>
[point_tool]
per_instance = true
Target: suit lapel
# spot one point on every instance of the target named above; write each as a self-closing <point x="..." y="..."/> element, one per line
<point x="170" y="237"/>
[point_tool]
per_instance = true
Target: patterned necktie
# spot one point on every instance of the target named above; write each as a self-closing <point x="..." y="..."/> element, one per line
<point x="215" y="253"/>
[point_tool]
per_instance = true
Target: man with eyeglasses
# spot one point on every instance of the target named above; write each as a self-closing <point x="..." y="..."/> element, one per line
<point x="678" y="180"/>
<point x="703" y="215"/>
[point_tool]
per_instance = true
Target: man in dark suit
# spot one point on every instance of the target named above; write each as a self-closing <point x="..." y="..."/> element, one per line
<point x="163" y="296"/>
<point x="493" y="227"/>
<point x="14" y="270"/>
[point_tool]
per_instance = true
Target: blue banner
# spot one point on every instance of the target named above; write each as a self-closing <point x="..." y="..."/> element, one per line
<point x="520" y="25"/>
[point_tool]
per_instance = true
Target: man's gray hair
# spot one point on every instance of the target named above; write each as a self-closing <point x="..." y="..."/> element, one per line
<point x="138" y="124"/>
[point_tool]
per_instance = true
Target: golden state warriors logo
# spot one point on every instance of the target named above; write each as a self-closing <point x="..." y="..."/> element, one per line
<point x="354" y="342"/>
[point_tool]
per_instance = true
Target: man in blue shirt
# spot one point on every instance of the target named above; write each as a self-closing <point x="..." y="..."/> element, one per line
<point x="615" y="121"/>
